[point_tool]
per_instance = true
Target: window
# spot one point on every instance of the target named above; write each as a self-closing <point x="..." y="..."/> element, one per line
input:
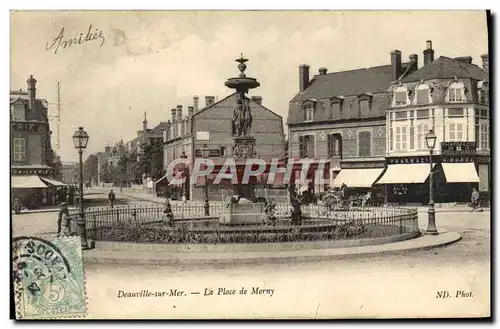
<point x="309" y="113"/>
<point x="422" y="130"/>
<point x="484" y="137"/>
<point x="404" y="137"/>
<point x="422" y="114"/>
<point x="19" y="149"/>
<point x="456" y="92"/>
<point x="364" y="107"/>
<point x="222" y="151"/>
<point x="336" y="109"/>
<point x="423" y="95"/>
<point x="365" y="143"/>
<point x="18" y="113"/>
<point x="400" y="96"/>
<point x="456" y="132"/>
<point x="306" y="146"/>
<point x="397" y="139"/>
<point x="484" y="114"/>
<point x="334" y="145"/>
<point x="401" y="115"/>
<point x="412" y="135"/>
<point x="456" y="113"/>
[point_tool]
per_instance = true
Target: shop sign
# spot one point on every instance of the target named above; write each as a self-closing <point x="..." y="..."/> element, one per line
<point x="483" y="159"/>
<point x="32" y="171"/>
<point x="360" y="165"/>
<point x="408" y="160"/>
<point x="452" y="159"/>
<point x="25" y="126"/>
<point x="458" y="148"/>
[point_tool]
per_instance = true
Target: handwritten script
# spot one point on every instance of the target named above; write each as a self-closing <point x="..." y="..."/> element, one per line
<point x="60" y="42"/>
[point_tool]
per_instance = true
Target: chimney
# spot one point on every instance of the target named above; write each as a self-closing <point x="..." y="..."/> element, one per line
<point x="196" y="103"/>
<point x="414" y="59"/>
<point x="179" y="113"/>
<point x="257" y="99"/>
<point x="190" y="111"/>
<point x="486" y="63"/>
<point x="322" y="70"/>
<point x="209" y="100"/>
<point x="303" y="77"/>
<point x="173" y="115"/>
<point x="396" y="64"/>
<point x="32" y="92"/>
<point x="464" y="59"/>
<point x="428" y="53"/>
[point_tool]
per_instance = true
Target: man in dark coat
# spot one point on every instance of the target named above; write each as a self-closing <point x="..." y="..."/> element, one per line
<point x="111" y="198"/>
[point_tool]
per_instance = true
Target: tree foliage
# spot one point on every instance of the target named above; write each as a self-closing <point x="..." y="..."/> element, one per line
<point x="151" y="158"/>
<point x="90" y="169"/>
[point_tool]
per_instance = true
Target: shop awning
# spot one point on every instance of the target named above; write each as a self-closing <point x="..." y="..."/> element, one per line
<point x="357" y="177"/>
<point x="52" y="181"/>
<point x="405" y="174"/>
<point x="460" y="172"/>
<point x="27" y="182"/>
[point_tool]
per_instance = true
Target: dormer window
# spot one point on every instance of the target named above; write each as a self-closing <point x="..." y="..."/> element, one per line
<point x="336" y="104"/>
<point x="456" y="92"/>
<point x="365" y="104"/>
<point x="423" y="94"/>
<point x="400" y="96"/>
<point x="18" y="112"/>
<point x="309" y="107"/>
<point x="482" y="92"/>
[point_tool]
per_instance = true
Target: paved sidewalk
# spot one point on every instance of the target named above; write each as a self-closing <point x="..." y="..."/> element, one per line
<point x="210" y="257"/>
<point x="34" y="211"/>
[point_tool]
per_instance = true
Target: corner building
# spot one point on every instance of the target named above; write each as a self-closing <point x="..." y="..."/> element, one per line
<point x="451" y="96"/>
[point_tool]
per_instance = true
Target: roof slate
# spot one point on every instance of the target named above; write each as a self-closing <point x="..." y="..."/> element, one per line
<point x="446" y="68"/>
<point x="347" y="83"/>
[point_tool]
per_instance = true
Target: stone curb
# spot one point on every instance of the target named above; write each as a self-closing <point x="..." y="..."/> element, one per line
<point x="218" y="258"/>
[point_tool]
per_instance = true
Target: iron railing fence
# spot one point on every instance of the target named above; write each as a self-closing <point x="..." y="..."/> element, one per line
<point x="149" y="224"/>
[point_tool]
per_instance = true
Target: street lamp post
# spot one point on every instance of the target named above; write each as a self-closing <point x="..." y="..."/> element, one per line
<point x="430" y="140"/>
<point x="205" y="152"/>
<point x="80" y="139"/>
<point x="185" y="184"/>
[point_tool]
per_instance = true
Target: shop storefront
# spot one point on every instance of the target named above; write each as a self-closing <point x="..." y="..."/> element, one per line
<point x="455" y="174"/>
<point x="359" y="177"/>
<point x="34" y="186"/>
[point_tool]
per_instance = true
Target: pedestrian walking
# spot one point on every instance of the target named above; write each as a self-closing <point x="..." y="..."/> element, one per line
<point x="64" y="220"/>
<point x="111" y="198"/>
<point x="17" y="206"/>
<point x="474" y="199"/>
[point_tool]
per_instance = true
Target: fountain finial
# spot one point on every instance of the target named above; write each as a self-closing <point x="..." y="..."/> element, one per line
<point x="242" y="66"/>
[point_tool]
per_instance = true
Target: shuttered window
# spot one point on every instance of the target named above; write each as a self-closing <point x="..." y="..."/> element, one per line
<point x="365" y="143"/>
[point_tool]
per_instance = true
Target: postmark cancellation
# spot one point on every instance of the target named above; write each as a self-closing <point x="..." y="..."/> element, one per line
<point x="48" y="277"/>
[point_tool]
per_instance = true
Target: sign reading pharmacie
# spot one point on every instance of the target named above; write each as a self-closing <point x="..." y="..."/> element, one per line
<point x="458" y="148"/>
<point x="32" y="171"/>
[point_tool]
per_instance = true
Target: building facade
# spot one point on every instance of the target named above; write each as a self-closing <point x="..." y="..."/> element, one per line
<point x="339" y="118"/>
<point x="70" y="173"/>
<point x="211" y="127"/>
<point x="32" y="176"/>
<point x="450" y="96"/>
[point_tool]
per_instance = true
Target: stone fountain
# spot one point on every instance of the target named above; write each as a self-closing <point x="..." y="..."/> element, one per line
<point x="244" y="211"/>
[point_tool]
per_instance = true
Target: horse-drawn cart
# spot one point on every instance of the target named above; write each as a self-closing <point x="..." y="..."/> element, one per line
<point x="340" y="199"/>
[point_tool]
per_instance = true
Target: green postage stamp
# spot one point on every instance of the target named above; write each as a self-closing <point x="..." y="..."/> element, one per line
<point x="48" y="278"/>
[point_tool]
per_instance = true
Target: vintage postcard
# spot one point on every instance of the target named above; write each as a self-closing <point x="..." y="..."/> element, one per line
<point x="250" y="164"/>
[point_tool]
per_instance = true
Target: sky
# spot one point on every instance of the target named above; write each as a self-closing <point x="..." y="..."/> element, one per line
<point x="155" y="60"/>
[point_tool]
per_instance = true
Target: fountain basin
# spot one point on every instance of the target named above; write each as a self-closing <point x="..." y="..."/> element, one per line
<point x="243" y="214"/>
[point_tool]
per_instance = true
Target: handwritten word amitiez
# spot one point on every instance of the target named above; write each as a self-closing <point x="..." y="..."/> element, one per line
<point x="60" y="42"/>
